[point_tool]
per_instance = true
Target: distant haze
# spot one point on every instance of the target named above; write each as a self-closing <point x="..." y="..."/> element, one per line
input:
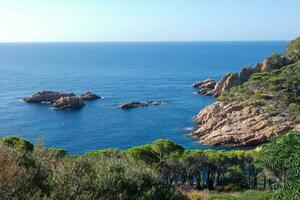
<point x="148" y="20"/>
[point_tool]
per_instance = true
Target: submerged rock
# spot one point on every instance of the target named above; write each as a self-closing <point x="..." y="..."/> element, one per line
<point x="46" y="96"/>
<point x="89" y="96"/>
<point x="136" y="104"/>
<point x="68" y="102"/>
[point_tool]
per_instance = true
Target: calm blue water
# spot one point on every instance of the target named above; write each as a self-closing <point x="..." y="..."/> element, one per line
<point x="120" y="72"/>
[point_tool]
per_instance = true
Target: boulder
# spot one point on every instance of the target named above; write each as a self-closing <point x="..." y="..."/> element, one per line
<point x="46" y="96"/>
<point x="206" y="83"/>
<point x="136" y="104"/>
<point x="89" y="96"/>
<point x="68" y="102"/>
<point x="228" y="81"/>
<point x="246" y="73"/>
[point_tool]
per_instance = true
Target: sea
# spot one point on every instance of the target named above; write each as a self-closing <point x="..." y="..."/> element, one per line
<point x="120" y="72"/>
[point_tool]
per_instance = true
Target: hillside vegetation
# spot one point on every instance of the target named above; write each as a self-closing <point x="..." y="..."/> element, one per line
<point x="154" y="171"/>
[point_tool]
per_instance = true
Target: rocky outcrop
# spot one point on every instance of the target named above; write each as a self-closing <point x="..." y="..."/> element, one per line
<point x="234" y="125"/>
<point x="228" y="81"/>
<point x="68" y="102"/>
<point x="46" y="96"/>
<point x="136" y="104"/>
<point x="209" y="83"/>
<point x="89" y="96"/>
<point x="205" y="86"/>
<point x="213" y="88"/>
<point x="60" y="100"/>
<point x="245" y="73"/>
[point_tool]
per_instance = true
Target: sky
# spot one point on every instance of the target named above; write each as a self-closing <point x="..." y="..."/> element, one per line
<point x="148" y="20"/>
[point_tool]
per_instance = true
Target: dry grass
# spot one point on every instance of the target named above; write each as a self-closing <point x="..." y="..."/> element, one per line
<point x="197" y="195"/>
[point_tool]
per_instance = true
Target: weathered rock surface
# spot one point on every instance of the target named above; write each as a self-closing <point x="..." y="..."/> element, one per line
<point x="228" y="81"/>
<point x="89" y="96"/>
<point x="206" y="83"/>
<point x="211" y="88"/>
<point x="46" y="96"/>
<point x="136" y="104"/>
<point x="234" y="125"/>
<point x="245" y="73"/>
<point x="68" y="102"/>
<point x="205" y="86"/>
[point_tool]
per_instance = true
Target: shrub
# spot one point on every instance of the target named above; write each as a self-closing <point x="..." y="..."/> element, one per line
<point x="17" y="143"/>
<point x="281" y="159"/>
<point x="293" y="50"/>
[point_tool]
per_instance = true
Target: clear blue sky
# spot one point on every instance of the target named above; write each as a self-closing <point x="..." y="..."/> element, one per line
<point x="148" y="20"/>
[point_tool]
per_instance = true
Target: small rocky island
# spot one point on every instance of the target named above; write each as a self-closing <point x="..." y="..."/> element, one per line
<point x="254" y="105"/>
<point x="60" y="100"/>
<point x="88" y="96"/>
<point x="136" y="104"/>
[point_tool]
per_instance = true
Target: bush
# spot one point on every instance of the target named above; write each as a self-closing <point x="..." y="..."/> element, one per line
<point x="281" y="160"/>
<point x="17" y="143"/>
<point x="100" y="175"/>
<point x="293" y="50"/>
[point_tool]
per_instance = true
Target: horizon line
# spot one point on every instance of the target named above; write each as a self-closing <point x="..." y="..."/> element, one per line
<point x="144" y="41"/>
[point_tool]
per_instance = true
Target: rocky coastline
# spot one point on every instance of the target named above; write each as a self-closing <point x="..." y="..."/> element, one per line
<point x="247" y="112"/>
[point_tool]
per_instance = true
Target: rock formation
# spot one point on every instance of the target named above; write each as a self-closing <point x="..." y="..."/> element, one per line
<point x="68" y="102"/>
<point x="211" y="88"/>
<point x="228" y="81"/>
<point x="89" y="96"/>
<point x="231" y="124"/>
<point x="136" y="104"/>
<point x="46" y="96"/>
<point x="60" y="100"/>
<point x="253" y="114"/>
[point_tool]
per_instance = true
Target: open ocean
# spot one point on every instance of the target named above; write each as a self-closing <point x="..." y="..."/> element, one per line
<point x="120" y="72"/>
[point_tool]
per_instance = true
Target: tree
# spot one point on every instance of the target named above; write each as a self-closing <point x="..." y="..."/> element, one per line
<point x="164" y="148"/>
<point x="281" y="160"/>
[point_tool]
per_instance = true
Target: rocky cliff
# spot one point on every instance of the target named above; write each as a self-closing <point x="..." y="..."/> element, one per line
<point x="254" y="105"/>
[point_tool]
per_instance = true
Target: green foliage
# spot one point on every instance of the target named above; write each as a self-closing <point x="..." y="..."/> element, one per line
<point x="293" y="50"/>
<point x="150" y="172"/>
<point x="52" y="174"/>
<point x="144" y="153"/>
<point x="17" y="143"/>
<point x="277" y="61"/>
<point x="103" y="153"/>
<point x="281" y="159"/>
<point x="276" y="90"/>
<point x="164" y="148"/>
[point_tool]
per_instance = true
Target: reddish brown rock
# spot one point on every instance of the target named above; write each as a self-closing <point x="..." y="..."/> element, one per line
<point x="234" y="125"/>
<point x="228" y="81"/>
<point x="46" y="96"/>
<point x="71" y="102"/>
<point x="136" y="104"/>
<point x="89" y="96"/>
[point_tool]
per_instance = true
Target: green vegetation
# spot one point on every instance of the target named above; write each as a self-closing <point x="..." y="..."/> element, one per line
<point x="278" y="89"/>
<point x="293" y="50"/>
<point x="281" y="160"/>
<point x="154" y="171"/>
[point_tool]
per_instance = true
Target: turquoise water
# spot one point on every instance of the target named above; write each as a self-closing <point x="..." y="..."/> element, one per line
<point x="120" y="72"/>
